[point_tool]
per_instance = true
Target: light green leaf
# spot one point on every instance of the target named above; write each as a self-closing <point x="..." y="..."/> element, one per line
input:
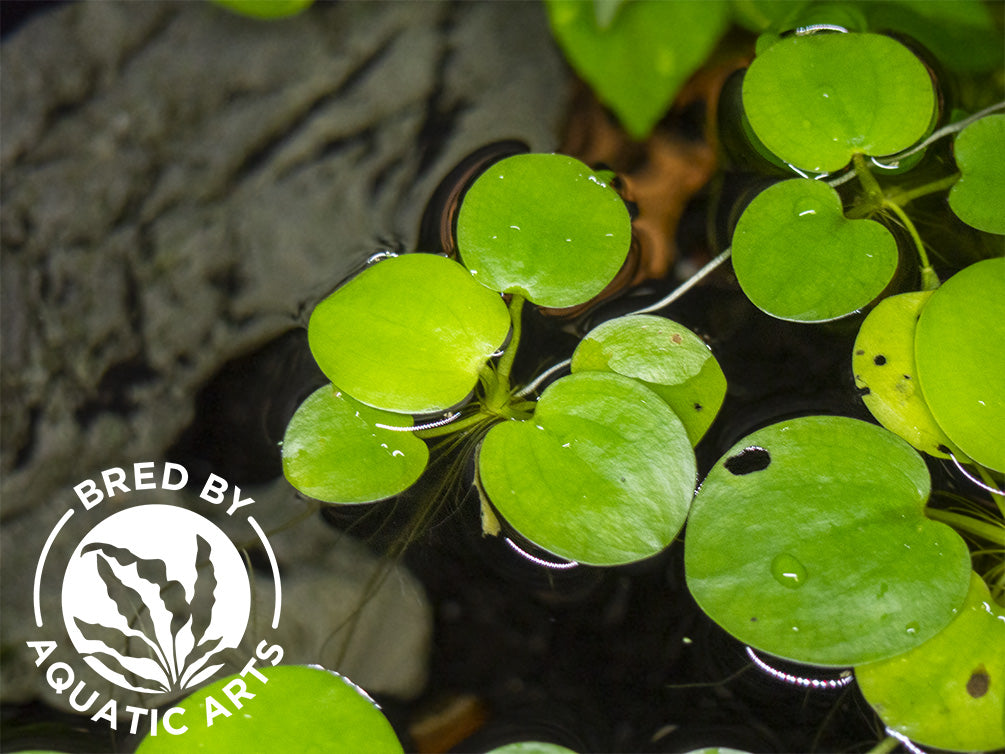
<point x="797" y="257"/>
<point x="808" y="540"/>
<point x="978" y="198"/>
<point x="409" y="334"/>
<point x="884" y="369"/>
<point x="266" y="9"/>
<point x="960" y="353"/>
<point x="815" y="100"/>
<point x="333" y="450"/>
<point x="531" y="747"/>
<point x="666" y="357"/>
<point x="603" y="474"/>
<point x="306" y="708"/>
<point x="948" y="693"/>
<point x="638" y="63"/>
<point x="543" y="226"/>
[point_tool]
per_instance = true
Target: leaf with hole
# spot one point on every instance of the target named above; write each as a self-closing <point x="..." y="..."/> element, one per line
<point x="885" y="371"/>
<point x="543" y="226"/>
<point x="334" y="451"/>
<point x="815" y="100"/>
<point x="797" y="257"/>
<point x="664" y="356"/>
<point x="603" y="474"/>
<point x="978" y="198"/>
<point x="409" y="334"/>
<point x="948" y="693"/>
<point x="808" y="540"/>
<point x="638" y="61"/>
<point x="960" y="353"/>
<point x="306" y="707"/>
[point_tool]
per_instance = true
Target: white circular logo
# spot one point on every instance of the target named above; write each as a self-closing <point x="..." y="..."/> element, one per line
<point x="152" y="595"/>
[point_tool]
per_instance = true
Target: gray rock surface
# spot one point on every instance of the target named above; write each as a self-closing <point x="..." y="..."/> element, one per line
<point x="180" y="185"/>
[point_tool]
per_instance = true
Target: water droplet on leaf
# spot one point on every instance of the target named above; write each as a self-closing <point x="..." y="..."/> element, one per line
<point x="807" y="207"/>
<point x="788" y="571"/>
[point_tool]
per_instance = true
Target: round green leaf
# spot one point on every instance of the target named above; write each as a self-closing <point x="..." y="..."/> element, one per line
<point x="603" y="474"/>
<point x="266" y="9"/>
<point x="666" y="357"/>
<point x="883" y="363"/>
<point x="977" y="198"/>
<point x="949" y="692"/>
<point x="294" y="708"/>
<point x="333" y="450"/>
<point x="409" y="334"/>
<point x="815" y="100"/>
<point x="639" y="60"/>
<point x="531" y="747"/>
<point x="808" y="540"/>
<point x="797" y="257"/>
<point x="959" y="351"/>
<point x="543" y="226"/>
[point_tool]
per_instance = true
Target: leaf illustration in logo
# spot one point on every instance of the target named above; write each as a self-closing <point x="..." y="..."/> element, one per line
<point x="204" y="675"/>
<point x="204" y="597"/>
<point x="175" y="631"/>
<point x="131" y="607"/>
<point x="193" y="671"/>
<point x="151" y="572"/>
<point x="172" y="593"/>
<point x="201" y="609"/>
<point x="120" y="656"/>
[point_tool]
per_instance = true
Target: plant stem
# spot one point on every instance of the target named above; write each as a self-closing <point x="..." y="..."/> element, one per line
<point x="688" y="284"/>
<point x="506" y="360"/>
<point x="983" y="529"/>
<point x="992" y="485"/>
<point x="904" y="197"/>
<point x="885" y="746"/>
<point x="873" y="191"/>
<point x="877" y="201"/>
<point x="453" y="427"/>
<point x="530" y="388"/>
<point x="929" y="280"/>
<point x="947" y="130"/>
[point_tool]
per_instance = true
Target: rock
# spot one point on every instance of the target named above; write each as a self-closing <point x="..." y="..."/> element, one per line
<point x="181" y="184"/>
